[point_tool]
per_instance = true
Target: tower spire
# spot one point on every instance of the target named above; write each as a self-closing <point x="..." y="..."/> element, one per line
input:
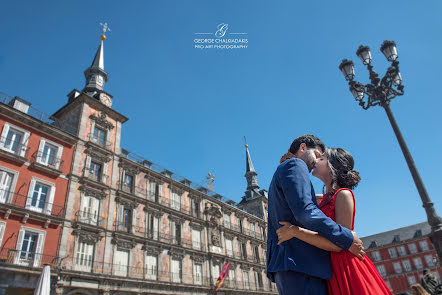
<point x="95" y="74"/>
<point x="251" y="175"/>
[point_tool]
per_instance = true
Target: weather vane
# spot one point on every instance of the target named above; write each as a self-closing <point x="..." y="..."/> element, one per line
<point x="105" y="29"/>
<point x="210" y="178"/>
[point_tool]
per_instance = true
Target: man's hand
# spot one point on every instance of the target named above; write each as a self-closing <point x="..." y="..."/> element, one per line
<point x="357" y="248"/>
<point x="286" y="232"/>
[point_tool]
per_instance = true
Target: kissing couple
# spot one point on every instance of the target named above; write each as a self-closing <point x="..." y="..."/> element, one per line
<point x="311" y="246"/>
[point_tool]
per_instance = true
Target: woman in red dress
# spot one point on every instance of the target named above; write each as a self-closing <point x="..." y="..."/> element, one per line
<point x="350" y="275"/>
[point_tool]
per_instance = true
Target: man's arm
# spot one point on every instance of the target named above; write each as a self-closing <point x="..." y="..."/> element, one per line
<point x="295" y="183"/>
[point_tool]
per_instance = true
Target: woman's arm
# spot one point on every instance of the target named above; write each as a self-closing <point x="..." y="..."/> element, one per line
<point x="289" y="231"/>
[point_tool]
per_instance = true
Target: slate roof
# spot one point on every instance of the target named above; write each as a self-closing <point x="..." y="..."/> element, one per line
<point x="397" y="235"/>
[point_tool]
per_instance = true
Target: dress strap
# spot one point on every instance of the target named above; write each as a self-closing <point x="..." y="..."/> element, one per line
<point x="354" y="205"/>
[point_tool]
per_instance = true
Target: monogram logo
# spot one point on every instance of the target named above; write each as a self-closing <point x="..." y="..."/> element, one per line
<point x="222" y="29"/>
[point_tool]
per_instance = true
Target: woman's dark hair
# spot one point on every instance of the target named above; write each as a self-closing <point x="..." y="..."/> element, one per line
<point x="341" y="164"/>
<point x="310" y="141"/>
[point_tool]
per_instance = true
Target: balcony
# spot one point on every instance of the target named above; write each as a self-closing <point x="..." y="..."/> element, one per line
<point x="99" y="178"/>
<point x="123" y="227"/>
<point x="14" y="200"/>
<point x="89" y="218"/>
<point x="13" y="150"/>
<point x="28" y="259"/>
<point x="197" y="245"/>
<point x="49" y="164"/>
<point x="143" y="273"/>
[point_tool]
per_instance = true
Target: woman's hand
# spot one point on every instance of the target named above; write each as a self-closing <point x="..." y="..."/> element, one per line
<point x="286" y="232"/>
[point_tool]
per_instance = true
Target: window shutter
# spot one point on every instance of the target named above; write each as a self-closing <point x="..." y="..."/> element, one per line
<point x="40" y="150"/>
<point x="21" y="234"/>
<point x="39" y="250"/>
<point x="87" y="167"/>
<point x="155" y="227"/>
<point x="4" y="134"/>
<point x="58" y="157"/>
<point x="30" y="193"/>
<point x="2" y="231"/>
<point x="104" y="173"/>
<point x="160" y="190"/>
<point x="24" y="144"/>
<point x="49" y="203"/>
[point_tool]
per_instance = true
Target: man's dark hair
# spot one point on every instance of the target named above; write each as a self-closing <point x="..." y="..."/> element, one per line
<point x="310" y="141"/>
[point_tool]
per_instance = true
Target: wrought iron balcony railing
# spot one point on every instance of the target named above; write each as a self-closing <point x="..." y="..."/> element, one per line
<point x="89" y="218"/>
<point x="31" y="203"/>
<point x="14" y="147"/>
<point x="50" y="161"/>
<point x="26" y="258"/>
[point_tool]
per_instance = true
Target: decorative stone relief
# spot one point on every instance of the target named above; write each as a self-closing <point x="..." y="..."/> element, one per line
<point x="101" y="120"/>
<point x="92" y="192"/>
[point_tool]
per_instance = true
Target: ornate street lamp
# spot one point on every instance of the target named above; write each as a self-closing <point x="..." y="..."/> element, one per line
<point x="381" y="92"/>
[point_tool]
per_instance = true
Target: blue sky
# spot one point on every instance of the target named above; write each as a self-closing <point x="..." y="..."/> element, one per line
<point x="190" y="108"/>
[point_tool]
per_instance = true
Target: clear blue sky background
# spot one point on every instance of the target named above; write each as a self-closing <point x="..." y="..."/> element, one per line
<point x="189" y="109"/>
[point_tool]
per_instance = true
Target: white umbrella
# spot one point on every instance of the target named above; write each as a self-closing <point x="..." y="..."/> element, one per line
<point x="44" y="281"/>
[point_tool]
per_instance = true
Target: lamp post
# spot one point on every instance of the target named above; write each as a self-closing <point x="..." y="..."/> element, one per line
<point x="381" y="92"/>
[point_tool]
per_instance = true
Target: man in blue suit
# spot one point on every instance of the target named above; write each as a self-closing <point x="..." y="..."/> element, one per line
<point x="295" y="266"/>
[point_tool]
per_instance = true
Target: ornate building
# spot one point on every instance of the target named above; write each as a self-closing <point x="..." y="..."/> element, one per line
<point x="401" y="255"/>
<point x="131" y="227"/>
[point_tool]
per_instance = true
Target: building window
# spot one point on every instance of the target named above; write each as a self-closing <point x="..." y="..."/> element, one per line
<point x="6" y="179"/>
<point x="252" y="229"/>
<point x="40" y="196"/>
<point x="128" y="182"/>
<point x="30" y="244"/>
<point x="243" y="250"/>
<point x="14" y="140"/>
<point x="256" y="254"/>
<point x="197" y="273"/>
<point x="176" y="271"/>
<point x="83" y="256"/>
<point x="418" y="263"/>
<point x="411" y="280"/>
<point x="195" y="207"/>
<point x="89" y="210"/>
<point x="215" y="272"/>
<point x="407" y="265"/>
<point x="49" y="154"/>
<point x="121" y="262"/>
<point x="124" y="219"/>
<point x="245" y="279"/>
<point x="401" y="250"/>
<point x="175" y="201"/>
<point x="241" y="228"/>
<point x="388" y="284"/>
<point x="424" y="245"/>
<point x="196" y="239"/>
<point x="95" y="171"/>
<point x="154" y="191"/>
<point x="381" y="270"/>
<point x="151" y="267"/>
<point x="232" y="277"/>
<point x="175" y="228"/>
<point x="99" y="135"/>
<point x="429" y="260"/>
<point x="227" y="220"/>
<point x="412" y="248"/>
<point x="258" y="280"/>
<point x="229" y="247"/>
<point x="376" y="256"/>
<point x="392" y="252"/>
<point x="152" y="222"/>
<point x="397" y="267"/>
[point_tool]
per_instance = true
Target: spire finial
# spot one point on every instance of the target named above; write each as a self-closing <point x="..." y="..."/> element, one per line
<point x="105" y="29"/>
<point x="245" y="142"/>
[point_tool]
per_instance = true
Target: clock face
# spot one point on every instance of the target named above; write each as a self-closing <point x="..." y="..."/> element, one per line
<point x="106" y="100"/>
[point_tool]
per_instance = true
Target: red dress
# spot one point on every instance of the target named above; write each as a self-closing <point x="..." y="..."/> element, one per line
<point x="349" y="274"/>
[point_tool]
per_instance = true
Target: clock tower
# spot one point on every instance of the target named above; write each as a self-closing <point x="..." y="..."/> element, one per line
<point x="96" y="77"/>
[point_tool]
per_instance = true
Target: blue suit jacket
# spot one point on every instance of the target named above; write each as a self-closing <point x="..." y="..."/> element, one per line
<point x="292" y="198"/>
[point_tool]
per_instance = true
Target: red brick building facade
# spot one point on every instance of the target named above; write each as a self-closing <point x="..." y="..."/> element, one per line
<point x="402" y="254"/>
<point x="35" y="161"/>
